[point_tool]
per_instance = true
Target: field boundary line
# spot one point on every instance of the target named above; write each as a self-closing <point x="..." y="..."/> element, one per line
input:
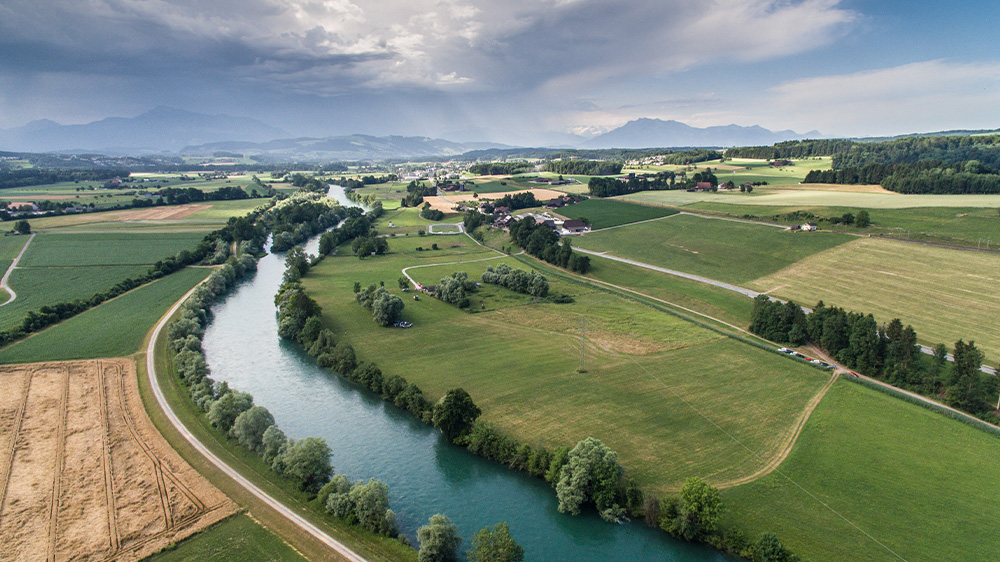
<point x="638" y="222"/>
<point x="731" y="219"/>
<point x="229" y="471"/>
<point x="14" y="433"/>
<point x="60" y="465"/>
<point x="114" y="536"/>
<point x="706" y="280"/>
<point x="13" y="265"/>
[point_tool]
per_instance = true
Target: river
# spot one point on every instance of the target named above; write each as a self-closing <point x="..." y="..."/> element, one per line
<point x="371" y="438"/>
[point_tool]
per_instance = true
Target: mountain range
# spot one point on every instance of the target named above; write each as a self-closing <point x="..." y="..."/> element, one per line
<point x="648" y="133"/>
<point x="166" y="130"/>
<point x="163" y="129"/>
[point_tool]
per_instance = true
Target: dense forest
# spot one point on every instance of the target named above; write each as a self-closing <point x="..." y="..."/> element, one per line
<point x="618" y="154"/>
<point x="584" y="167"/>
<point x="36" y="176"/>
<point x="500" y="168"/>
<point x="793" y="149"/>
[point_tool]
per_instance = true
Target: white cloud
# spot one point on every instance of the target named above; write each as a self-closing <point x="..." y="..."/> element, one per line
<point x="916" y="97"/>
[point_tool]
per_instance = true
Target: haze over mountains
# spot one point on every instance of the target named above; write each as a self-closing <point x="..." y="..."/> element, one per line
<point x="166" y="130"/>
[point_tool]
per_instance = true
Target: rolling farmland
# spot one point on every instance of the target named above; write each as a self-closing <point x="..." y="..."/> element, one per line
<point x="730" y="251"/>
<point x="946" y="294"/>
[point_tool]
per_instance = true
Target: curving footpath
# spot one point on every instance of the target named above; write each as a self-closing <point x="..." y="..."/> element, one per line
<point x="13" y="264"/>
<point x="263" y="496"/>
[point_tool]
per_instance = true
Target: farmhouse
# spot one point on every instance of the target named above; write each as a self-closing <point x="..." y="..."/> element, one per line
<point x="809" y="226"/>
<point x="703" y="186"/>
<point x="574" y="226"/>
<point x="555" y="203"/>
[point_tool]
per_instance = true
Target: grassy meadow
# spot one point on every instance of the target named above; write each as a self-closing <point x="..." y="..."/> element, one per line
<point x="603" y="213"/>
<point x="100" y="249"/>
<point x="945" y="294"/>
<point x="519" y="360"/>
<point x="116" y="328"/>
<point x="913" y="480"/>
<point x="731" y="251"/>
<point x="963" y="226"/>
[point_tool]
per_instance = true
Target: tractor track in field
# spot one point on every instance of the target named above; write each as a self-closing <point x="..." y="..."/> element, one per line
<point x="60" y="465"/>
<point x="114" y="533"/>
<point x="14" y="434"/>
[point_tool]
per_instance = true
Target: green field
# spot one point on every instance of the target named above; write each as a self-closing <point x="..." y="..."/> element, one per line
<point x="236" y="538"/>
<point x="603" y="213"/>
<point x="113" y="329"/>
<point x="965" y="226"/>
<point x="519" y="362"/>
<point x="93" y="249"/>
<point x="205" y="220"/>
<point x="40" y="286"/>
<point x="946" y="294"/>
<point x="730" y="251"/>
<point x="919" y="483"/>
<point x="806" y="198"/>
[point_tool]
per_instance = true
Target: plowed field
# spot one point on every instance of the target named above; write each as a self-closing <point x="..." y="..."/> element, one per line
<point x="83" y="473"/>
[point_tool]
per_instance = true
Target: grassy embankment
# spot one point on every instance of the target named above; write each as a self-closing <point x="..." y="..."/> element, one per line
<point x="734" y="252"/>
<point x="945" y="294"/>
<point x="888" y="471"/>
<point x="678" y="391"/>
<point x="251" y="466"/>
<point x="65" y="267"/>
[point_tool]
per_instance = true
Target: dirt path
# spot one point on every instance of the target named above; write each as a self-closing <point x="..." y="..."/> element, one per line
<point x="229" y="471"/>
<point x="13" y="264"/>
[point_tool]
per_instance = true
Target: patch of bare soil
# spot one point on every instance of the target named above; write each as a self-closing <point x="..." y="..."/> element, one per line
<point x="540" y="194"/>
<point x="84" y="475"/>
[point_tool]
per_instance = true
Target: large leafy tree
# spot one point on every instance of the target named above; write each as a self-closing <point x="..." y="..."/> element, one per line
<point x="495" y="545"/>
<point x="455" y="413"/>
<point x="591" y="473"/>
<point x="439" y="540"/>
<point x="308" y="461"/>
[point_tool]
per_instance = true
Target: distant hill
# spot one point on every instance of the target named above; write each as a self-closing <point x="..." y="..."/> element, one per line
<point x="643" y="133"/>
<point x="352" y="147"/>
<point x="163" y="129"/>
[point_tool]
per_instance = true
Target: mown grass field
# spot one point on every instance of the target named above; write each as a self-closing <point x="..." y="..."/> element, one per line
<point x="730" y="251"/>
<point x="603" y="213"/>
<point x="966" y="226"/>
<point x="236" y="538"/>
<point x="212" y="217"/>
<point x="40" y="286"/>
<point x="114" y="329"/>
<point x="805" y="197"/>
<point x="10" y="246"/>
<point x="917" y="482"/>
<point x="92" y="249"/>
<point x="519" y="362"/>
<point x="945" y="294"/>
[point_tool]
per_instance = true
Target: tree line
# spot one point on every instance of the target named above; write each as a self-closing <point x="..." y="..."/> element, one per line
<point x="793" y="149"/>
<point x="500" y="168"/>
<point x="43" y="176"/>
<point x="610" y="187"/>
<point x="888" y="351"/>
<point x="543" y="243"/>
<point x="415" y="193"/>
<point x="584" y="167"/>
<point x="517" y="280"/>
<point x="925" y="176"/>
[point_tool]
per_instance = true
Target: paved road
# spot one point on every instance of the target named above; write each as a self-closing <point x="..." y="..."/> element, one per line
<point x="263" y="496"/>
<point x="13" y="264"/>
<point x="730" y="287"/>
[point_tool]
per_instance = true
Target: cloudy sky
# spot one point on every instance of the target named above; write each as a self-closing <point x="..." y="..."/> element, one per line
<point x="508" y="71"/>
